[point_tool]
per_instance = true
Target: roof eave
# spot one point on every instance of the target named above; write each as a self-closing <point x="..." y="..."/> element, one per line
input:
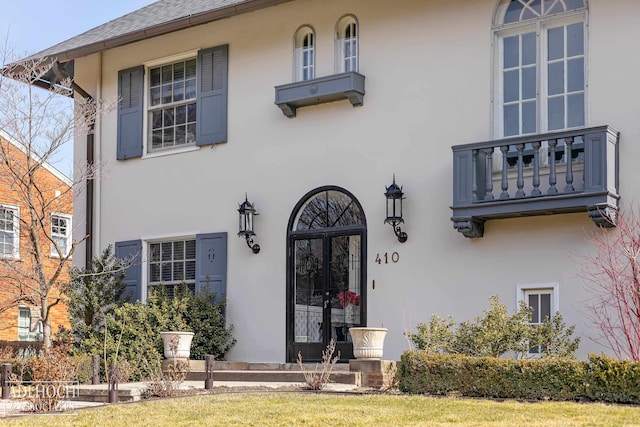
<point x="165" y="28"/>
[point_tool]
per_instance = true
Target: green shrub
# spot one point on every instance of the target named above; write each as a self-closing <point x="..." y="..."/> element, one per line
<point x="613" y="380"/>
<point x="206" y="318"/>
<point x="495" y="334"/>
<point x="436" y="336"/>
<point x="91" y="295"/>
<point x="84" y="368"/>
<point x="129" y="334"/>
<point x="132" y="331"/>
<point x="556" y="379"/>
<point x="600" y="378"/>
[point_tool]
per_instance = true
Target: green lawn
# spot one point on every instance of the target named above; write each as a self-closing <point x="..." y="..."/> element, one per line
<point x="306" y="409"/>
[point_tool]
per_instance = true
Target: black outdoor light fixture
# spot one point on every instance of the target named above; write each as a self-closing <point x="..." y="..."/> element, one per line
<point x="246" y="212"/>
<point x="394" y="197"/>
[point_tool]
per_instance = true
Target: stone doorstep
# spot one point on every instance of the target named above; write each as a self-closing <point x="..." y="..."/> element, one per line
<point x="365" y="373"/>
<point x="340" y="377"/>
<point x="198" y="365"/>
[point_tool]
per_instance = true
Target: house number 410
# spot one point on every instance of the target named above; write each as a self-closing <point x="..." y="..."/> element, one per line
<point x="395" y="257"/>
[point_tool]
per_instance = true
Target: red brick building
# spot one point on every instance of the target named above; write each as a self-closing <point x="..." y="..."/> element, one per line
<point x="51" y="197"/>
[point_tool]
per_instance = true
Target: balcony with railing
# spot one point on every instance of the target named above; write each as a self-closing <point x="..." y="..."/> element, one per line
<point x="553" y="173"/>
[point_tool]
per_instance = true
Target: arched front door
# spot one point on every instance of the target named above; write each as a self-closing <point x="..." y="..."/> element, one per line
<point x="326" y="273"/>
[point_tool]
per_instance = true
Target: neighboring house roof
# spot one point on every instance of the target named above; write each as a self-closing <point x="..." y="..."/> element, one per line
<point x="161" y="17"/>
<point x="55" y="172"/>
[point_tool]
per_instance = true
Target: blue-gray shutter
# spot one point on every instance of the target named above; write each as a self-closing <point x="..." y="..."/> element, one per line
<point x="211" y="263"/>
<point x="130" y="112"/>
<point x="211" y="111"/>
<point x="131" y="250"/>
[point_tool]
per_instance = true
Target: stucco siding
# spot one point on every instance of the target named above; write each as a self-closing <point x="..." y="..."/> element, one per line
<point x="428" y="68"/>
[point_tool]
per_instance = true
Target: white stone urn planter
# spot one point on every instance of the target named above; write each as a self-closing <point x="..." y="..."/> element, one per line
<point x="368" y="343"/>
<point x="177" y="344"/>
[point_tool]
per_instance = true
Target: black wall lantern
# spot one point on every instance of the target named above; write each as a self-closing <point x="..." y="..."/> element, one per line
<point x="246" y="213"/>
<point x="394" y="197"/>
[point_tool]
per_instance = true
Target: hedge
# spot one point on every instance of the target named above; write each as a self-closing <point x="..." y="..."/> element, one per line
<point x="600" y="378"/>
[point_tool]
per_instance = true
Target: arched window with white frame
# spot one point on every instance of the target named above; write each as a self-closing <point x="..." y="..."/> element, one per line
<point x="540" y="76"/>
<point x="304" y="54"/>
<point x="347" y="44"/>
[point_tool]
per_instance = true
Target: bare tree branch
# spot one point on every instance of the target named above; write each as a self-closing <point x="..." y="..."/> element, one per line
<point x="612" y="275"/>
<point x="34" y="125"/>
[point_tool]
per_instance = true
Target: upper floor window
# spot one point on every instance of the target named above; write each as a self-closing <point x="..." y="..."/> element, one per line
<point x="9" y="231"/>
<point x="60" y="234"/>
<point x="305" y="55"/>
<point x="172" y="105"/>
<point x="181" y="103"/>
<point x="540" y="76"/>
<point x="347" y="45"/>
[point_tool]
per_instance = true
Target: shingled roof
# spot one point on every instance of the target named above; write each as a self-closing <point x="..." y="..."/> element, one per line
<point x="158" y="18"/>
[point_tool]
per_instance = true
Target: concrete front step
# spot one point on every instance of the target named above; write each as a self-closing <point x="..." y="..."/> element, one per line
<point x="361" y="373"/>
<point x="291" y="376"/>
<point x="267" y="372"/>
<point x="198" y="365"/>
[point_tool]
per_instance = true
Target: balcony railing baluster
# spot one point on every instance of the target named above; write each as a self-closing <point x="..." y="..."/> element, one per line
<point x="553" y="179"/>
<point x="595" y="150"/>
<point x="520" y="165"/>
<point x="488" y="177"/>
<point x="505" y="182"/>
<point x="474" y="166"/>
<point x="568" y="142"/>
<point x="536" y="169"/>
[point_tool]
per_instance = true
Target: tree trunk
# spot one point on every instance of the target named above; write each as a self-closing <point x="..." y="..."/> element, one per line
<point x="46" y="323"/>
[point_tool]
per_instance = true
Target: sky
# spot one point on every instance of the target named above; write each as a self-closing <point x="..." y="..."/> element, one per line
<point x="30" y="26"/>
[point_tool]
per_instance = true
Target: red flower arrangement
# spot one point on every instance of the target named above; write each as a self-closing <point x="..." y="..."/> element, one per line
<point x="348" y="297"/>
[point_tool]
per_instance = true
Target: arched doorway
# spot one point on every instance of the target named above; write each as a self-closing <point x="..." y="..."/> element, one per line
<point x="326" y="273"/>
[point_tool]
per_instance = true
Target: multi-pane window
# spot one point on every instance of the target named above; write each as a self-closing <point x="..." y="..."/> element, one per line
<point x="172" y="105"/>
<point x="347" y="45"/>
<point x="60" y="234"/>
<point x="565" y="76"/>
<point x="305" y="56"/>
<point x="9" y="232"/>
<point x="172" y="263"/>
<point x="542" y="305"/>
<point x="541" y="66"/>
<point x="24" y="326"/>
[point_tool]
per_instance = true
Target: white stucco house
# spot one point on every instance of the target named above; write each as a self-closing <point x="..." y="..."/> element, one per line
<point x="510" y="126"/>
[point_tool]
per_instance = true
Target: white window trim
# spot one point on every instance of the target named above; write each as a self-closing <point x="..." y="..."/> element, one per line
<point x="69" y="218"/>
<point x="144" y="277"/>
<point x="521" y="291"/>
<point x="146" y="154"/>
<point x="297" y="57"/>
<point x="32" y="336"/>
<point x="342" y="23"/>
<point x="552" y="288"/>
<point x="16" y="230"/>
<point x="538" y="25"/>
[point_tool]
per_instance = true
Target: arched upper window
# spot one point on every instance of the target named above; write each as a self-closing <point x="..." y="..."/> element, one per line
<point x="540" y="57"/>
<point x="347" y="44"/>
<point x="522" y="10"/>
<point x="328" y="208"/>
<point x="304" y="54"/>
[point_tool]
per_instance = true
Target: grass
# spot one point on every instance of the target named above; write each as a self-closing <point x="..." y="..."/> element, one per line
<point x="307" y="409"/>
